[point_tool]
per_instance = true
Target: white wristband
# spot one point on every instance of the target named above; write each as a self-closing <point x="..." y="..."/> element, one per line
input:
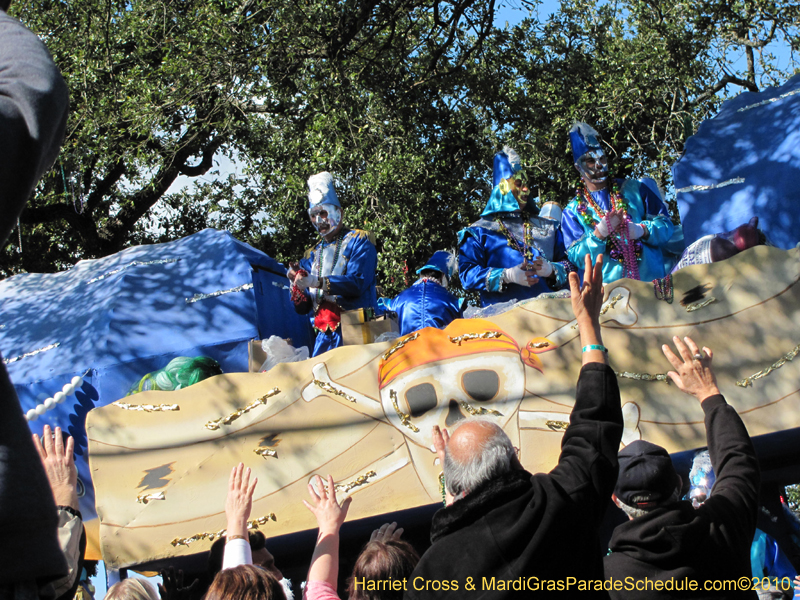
<point x="635" y="231"/>
<point x="602" y="228"/>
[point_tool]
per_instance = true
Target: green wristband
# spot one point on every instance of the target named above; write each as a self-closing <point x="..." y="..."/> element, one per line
<point x="595" y="347"/>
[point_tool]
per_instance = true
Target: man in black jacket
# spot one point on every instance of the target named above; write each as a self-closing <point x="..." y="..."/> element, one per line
<point x="668" y="548"/>
<point x="510" y="533"/>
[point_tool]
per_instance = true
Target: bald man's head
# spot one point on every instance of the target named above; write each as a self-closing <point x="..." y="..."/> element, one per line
<point x="477" y="452"/>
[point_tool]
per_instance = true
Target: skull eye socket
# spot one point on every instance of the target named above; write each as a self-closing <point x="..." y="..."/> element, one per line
<point x="481" y="385"/>
<point x="420" y="399"/>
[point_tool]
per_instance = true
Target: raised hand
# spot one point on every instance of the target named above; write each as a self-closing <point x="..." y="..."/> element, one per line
<point x="239" y="502"/>
<point x="386" y="532"/>
<point x="304" y="280"/>
<point x="693" y="374"/>
<point x="173" y="587"/>
<point x="440" y="439"/>
<point x="329" y="513"/>
<point x="59" y="465"/>
<point x="587" y="299"/>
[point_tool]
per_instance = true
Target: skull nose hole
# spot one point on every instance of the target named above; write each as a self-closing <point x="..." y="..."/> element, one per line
<point x="454" y="414"/>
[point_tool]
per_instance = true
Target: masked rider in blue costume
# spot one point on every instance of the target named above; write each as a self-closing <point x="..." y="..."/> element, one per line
<point x="511" y="253"/>
<point x="338" y="273"/>
<point x="621" y="219"/>
<point x="427" y="303"/>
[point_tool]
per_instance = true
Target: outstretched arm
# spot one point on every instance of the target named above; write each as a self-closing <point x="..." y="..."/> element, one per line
<point x="587" y="300"/>
<point x="735" y="493"/>
<point x="238" y="505"/>
<point x="59" y="466"/>
<point x="58" y="461"/>
<point x="590" y="444"/>
<point x="330" y="517"/>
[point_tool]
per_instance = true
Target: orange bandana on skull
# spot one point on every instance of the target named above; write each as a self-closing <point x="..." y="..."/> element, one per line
<point x="463" y="337"/>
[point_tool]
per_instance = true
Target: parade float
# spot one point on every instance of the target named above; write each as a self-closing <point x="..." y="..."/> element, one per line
<point x="364" y="414"/>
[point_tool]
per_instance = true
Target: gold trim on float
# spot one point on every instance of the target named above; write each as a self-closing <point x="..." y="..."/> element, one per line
<point x="358" y="481"/>
<point x="480" y="410"/>
<point x="212" y="535"/>
<point x="266" y="452"/>
<point x="399" y="345"/>
<point x="333" y="390"/>
<point x="474" y="336"/>
<point x="404" y="418"/>
<point x="699" y="305"/>
<point x="145" y="498"/>
<point x="610" y="304"/>
<point x="146" y="407"/>
<point x="789" y="356"/>
<point x="215" y="424"/>
<point x="557" y="425"/>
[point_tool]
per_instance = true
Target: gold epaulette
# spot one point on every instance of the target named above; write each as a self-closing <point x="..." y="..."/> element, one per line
<point x="307" y="253"/>
<point x="365" y="234"/>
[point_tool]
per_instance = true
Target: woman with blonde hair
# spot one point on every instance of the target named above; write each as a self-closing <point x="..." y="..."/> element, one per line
<point x="132" y="589"/>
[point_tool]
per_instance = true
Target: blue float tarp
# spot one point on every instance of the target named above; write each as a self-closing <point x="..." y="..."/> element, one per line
<point x="752" y="147"/>
<point x="115" y="319"/>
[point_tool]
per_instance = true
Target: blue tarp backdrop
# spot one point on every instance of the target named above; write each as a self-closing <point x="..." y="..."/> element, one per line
<point x="115" y="319"/>
<point x="745" y="162"/>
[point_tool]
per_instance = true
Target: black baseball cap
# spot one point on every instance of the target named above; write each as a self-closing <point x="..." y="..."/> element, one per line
<point x="646" y="472"/>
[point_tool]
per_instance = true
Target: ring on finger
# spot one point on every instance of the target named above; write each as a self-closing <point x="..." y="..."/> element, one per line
<point x="698" y="356"/>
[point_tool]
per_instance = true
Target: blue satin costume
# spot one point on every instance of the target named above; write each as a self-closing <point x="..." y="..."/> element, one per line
<point x="351" y="280"/>
<point x="643" y="207"/>
<point x="485" y="251"/>
<point x="767" y="560"/>
<point x="425" y="304"/>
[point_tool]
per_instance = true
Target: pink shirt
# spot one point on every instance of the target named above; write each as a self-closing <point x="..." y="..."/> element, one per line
<point x="319" y="590"/>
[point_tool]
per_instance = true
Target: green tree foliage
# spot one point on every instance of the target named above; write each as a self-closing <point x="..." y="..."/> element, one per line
<point x="404" y="101"/>
<point x="793" y="498"/>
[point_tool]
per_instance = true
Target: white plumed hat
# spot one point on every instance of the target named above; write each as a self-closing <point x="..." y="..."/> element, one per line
<point x="321" y="190"/>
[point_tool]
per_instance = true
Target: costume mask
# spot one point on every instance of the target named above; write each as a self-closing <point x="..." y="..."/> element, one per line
<point x="594" y="166"/>
<point x="325" y="217"/>
<point x="519" y="187"/>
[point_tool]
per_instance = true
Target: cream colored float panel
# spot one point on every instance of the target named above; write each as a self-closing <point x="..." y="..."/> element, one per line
<point x="364" y="414"/>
